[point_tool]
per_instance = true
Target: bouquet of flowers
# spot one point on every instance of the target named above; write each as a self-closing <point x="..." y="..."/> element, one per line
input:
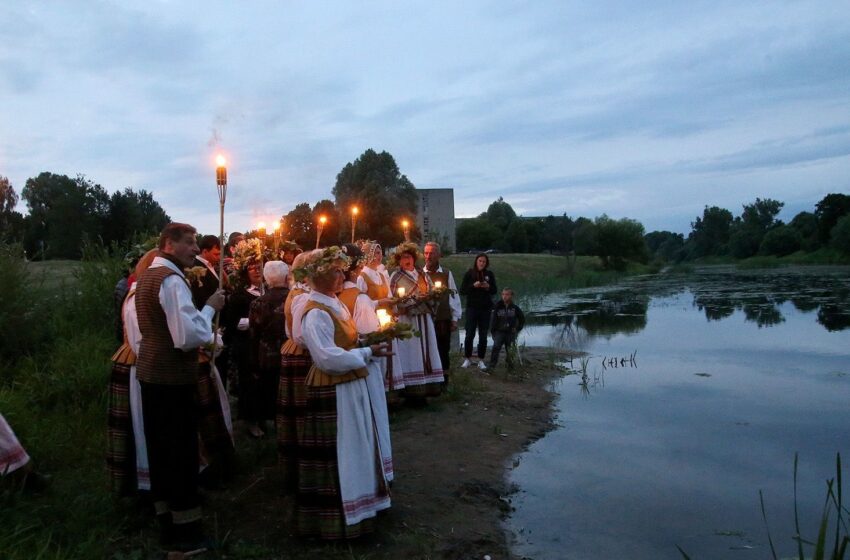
<point x="391" y="331"/>
<point x="195" y="275"/>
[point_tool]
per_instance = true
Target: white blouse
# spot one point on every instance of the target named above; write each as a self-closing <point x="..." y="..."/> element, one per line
<point x="317" y="330"/>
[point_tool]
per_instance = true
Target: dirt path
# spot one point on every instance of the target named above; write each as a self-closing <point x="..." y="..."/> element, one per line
<point x="450" y="495"/>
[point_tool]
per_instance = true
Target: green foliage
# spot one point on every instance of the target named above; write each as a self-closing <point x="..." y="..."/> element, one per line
<point x="744" y="242"/>
<point x="710" y="233"/>
<point x="11" y="222"/>
<point x="374" y="183"/>
<point x="476" y="233"/>
<point x="584" y="237"/>
<point x="806" y="224"/>
<point x="133" y="214"/>
<point x="22" y="314"/>
<point x="828" y="211"/>
<point x="665" y="245"/>
<point x="761" y="214"/>
<point x="781" y="241"/>
<point x="840" y="235"/>
<point x="299" y="226"/>
<point x="618" y="241"/>
<point x="500" y="214"/>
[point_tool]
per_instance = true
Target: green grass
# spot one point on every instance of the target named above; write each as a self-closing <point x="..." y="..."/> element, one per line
<point x="531" y="274"/>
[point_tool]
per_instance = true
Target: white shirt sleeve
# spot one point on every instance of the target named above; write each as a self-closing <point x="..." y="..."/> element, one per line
<point x="318" y="332"/>
<point x="131" y="324"/>
<point x="361" y="284"/>
<point x="297" y="310"/>
<point x="189" y="327"/>
<point x="365" y="316"/>
<point x="454" y="300"/>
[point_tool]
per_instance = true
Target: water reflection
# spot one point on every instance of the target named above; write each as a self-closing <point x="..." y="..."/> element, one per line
<point x="758" y="296"/>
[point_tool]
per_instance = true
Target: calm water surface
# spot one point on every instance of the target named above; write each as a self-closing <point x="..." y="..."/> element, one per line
<point x="733" y="373"/>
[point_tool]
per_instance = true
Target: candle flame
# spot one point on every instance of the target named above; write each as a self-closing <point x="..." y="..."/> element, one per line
<point x="220" y="161"/>
<point x="401" y="291"/>
<point x="383" y="317"/>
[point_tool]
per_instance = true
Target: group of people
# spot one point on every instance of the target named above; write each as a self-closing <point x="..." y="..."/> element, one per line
<point x="286" y="333"/>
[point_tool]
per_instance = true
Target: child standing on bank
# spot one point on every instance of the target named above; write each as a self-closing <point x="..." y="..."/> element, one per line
<point x="505" y="323"/>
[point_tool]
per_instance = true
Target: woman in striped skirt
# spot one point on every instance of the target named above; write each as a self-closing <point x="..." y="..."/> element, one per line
<point x="419" y="356"/>
<point x="341" y="483"/>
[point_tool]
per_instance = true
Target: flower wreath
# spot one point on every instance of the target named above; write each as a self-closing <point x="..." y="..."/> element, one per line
<point x="247" y="251"/>
<point x="410" y="248"/>
<point x="369" y="248"/>
<point x="289" y="245"/>
<point x="321" y="261"/>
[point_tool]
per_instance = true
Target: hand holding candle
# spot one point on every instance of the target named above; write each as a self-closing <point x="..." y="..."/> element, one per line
<point x="384" y="318"/>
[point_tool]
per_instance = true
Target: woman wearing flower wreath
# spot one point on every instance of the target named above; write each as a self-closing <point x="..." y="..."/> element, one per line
<point x="363" y="310"/>
<point x="295" y="364"/>
<point x="341" y="484"/>
<point x="375" y="283"/>
<point x="247" y="281"/>
<point x="419" y="357"/>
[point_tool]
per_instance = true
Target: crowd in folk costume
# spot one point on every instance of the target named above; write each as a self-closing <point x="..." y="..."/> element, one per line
<point x="301" y="349"/>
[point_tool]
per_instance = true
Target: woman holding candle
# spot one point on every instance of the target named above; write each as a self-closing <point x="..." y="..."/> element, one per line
<point x="479" y="287"/>
<point x="341" y="484"/>
<point x="419" y="356"/>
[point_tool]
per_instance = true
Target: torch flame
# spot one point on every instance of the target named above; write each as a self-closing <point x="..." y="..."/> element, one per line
<point x="354" y="210"/>
<point x="405" y="223"/>
<point x="220" y="161"/>
<point x="261" y="226"/>
<point x="322" y="220"/>
<point x="276" y="226"/>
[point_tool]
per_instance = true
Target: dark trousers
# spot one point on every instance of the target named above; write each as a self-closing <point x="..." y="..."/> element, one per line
<point x="171" y="434"/>
<point x="443" y="330"/>
<point x="506" y="339"/>
<point x="476" y="319"/>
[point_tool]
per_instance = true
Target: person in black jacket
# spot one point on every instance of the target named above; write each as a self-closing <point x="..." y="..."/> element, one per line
<point x="479" y="286"/>
<point x="506" y="323"/>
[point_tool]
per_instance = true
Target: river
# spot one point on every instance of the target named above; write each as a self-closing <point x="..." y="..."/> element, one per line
<point x="696" y="392"/>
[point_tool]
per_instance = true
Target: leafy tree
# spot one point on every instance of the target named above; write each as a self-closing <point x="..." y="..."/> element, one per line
<point x="11" y="222"/>
<point x="500" y="214"/>
<point x="806" y="224"/>
<point x="584" y="237"/>
<point x="516" y="237"/>
<point x="63" y="211"/>
<point x="781" y="241"/>
<point x="330" y="233"/>
<point x="761" y="214"/>
<point x="476" y="233"/>
<point x="557" y="233"/>
<point x="840" y="235"/>
<point x="375" y="184"/>
<point x="744" y="242"/>
<point x="666" y="245"/>
<point x="710" y="233"/>
<point x="828" y="211"/>
<point x="299" y="226"/>
<point x="132" y="214"/>
<point x="618" y="241"/>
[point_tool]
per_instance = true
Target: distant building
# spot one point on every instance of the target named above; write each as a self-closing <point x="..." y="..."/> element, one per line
<point x="435" y="216"/>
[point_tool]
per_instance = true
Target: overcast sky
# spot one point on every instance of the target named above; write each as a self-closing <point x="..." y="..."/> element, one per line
<point x="648" y="110"/>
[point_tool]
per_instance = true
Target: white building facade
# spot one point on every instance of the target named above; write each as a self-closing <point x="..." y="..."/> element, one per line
<point x="435" y="216"/>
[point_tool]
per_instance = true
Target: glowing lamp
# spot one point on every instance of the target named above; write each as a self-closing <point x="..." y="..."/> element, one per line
<point x="384" y="318"/>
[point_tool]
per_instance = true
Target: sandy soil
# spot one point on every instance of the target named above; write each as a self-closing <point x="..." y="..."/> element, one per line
<point x="450" y="494"/>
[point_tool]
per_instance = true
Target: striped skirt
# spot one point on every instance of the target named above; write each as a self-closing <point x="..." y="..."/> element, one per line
<point x="120" y="443"/>
<point x="291" y="410"/>
<point x="318" y="504"/>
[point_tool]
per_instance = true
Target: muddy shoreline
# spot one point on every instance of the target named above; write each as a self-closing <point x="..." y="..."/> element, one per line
<point x="451" y="459"/>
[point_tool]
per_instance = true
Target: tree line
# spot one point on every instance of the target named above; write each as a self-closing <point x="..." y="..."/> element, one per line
<point x="756" y="231"/>
<point x="64" y="213"/>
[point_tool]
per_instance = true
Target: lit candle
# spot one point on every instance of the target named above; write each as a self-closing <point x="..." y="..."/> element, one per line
<point x="384" y="318"/>
<point x="401" y="291"/>
<point x="438" y="284"/>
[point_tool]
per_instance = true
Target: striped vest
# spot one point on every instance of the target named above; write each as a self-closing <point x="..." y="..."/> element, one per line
<point x="159" y="362"/>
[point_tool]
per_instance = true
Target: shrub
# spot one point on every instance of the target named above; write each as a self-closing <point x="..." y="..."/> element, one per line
<point x="840" y="235"/>
<point x="781" y="241"/>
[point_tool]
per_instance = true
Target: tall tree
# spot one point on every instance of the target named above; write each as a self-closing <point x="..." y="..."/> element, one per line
<point x="133" y="213"/>
<point x="618" y="241"/>
<point x="375" y="184"/>
<point x="828" y="211"/>
<point x="500" y="214"/>
<point x="64" y="212"/>
<point x="11" y="222"/>
<point x="710" y="233"/>
<point x="299" y="226"/>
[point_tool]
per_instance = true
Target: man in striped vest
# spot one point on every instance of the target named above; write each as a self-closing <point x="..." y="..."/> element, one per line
<point x="173" y="330"/>
<point x="449" y="309"/>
